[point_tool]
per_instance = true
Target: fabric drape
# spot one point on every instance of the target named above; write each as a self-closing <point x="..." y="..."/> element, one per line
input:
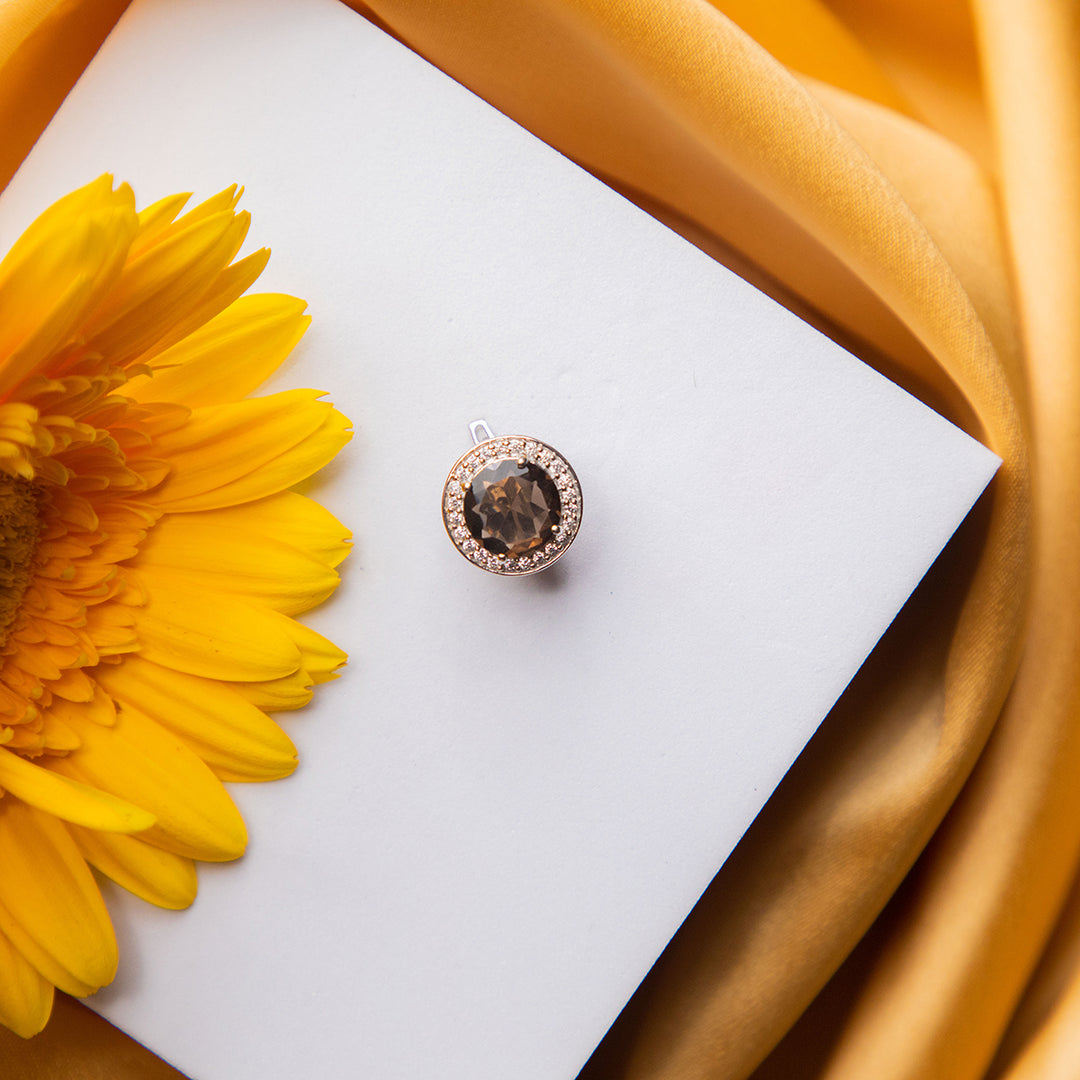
<point x="905" y="174"/>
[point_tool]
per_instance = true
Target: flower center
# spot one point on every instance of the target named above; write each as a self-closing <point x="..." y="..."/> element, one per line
<point x="19" y="527"/>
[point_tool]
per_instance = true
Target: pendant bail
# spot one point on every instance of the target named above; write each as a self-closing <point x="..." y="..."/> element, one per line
<point x="478" y="426"/>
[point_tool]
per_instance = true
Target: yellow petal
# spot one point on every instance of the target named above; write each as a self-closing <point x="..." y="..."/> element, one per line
<point x="100" y="708"/>
<point x="295" y="691"/>
<point x="147" y="278"/>
<point x="214" y="636"/>
<point x="26" y="996"/>
<point x="58" y="270"/>
<point x="229" y="357"/>
<point x="158" y="288"/>
<point x="154" y="220"/>
<point x="226" y="199"/>
<point x="57" y="734"/>
<point x="138" y="760"/>
<point x="319" y="656"/>
<point x="73" y="685"/>
<point x="68" y="799"/>
<point x="288" y="517"/>
<point x="291" y="692"/>
<point x="159" y="221"/>
<point x="228" y="286"/>
<point x="229" y="733"/>
<point x="266" y="477"/>
<point x="222" y="444"/>
<point x="154" y="875"/>
<point x="199" y="552"/>
<point x="50" y="906"/>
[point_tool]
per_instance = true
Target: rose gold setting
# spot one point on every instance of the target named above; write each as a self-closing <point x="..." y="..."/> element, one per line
<point x="522" y="450"/>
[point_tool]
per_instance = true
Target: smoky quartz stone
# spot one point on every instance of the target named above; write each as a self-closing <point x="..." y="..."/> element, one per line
<point x="512" y="508"/>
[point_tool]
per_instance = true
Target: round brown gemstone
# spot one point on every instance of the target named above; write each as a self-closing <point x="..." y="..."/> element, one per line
<point x="512" y="508"/>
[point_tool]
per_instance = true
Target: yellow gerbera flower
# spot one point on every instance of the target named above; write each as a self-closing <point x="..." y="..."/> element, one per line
<point x="152" y="559"/>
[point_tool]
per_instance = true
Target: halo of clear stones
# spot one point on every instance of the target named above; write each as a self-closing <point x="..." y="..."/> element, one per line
<point x="516" y="448"/>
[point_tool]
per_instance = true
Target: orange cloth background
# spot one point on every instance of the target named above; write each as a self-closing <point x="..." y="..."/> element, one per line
<point x="906" y="175"/>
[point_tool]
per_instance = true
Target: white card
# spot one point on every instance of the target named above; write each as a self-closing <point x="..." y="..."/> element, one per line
<point x="520" y="787"/>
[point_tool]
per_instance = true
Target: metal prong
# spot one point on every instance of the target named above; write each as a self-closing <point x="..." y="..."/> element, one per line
<point x="475" y="429"/>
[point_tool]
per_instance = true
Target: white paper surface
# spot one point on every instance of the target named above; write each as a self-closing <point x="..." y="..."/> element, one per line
<point x="520" y="787"/>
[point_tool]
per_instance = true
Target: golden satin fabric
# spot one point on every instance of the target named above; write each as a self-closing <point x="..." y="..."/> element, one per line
<point x="906" y="175"/>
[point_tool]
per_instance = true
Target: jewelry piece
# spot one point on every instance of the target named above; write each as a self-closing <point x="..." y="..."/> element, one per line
<point x="512" y="504"/>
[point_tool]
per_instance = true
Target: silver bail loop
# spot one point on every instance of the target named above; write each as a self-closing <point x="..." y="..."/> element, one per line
<point x="480" y="431"/>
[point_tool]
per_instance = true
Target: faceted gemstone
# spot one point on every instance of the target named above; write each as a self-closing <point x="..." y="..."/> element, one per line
<point x="512" y="509"/>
